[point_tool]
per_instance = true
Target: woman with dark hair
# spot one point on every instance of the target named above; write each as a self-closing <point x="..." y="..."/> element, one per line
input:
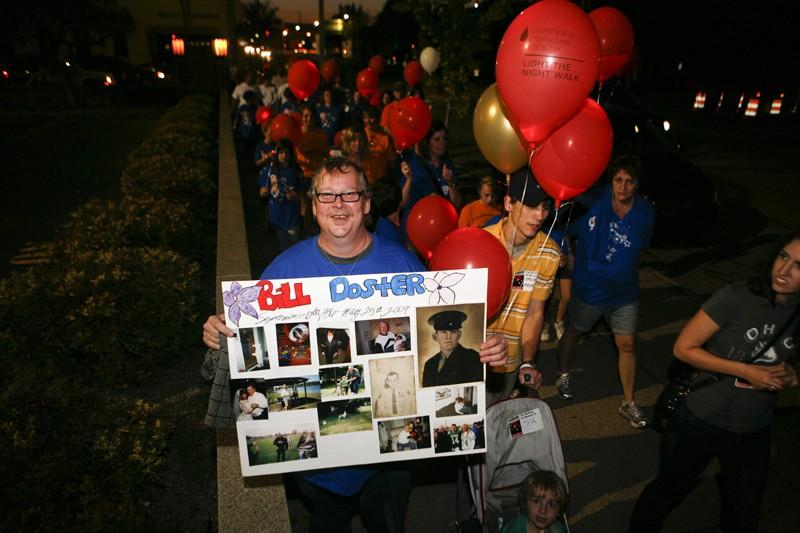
<point x="744" y="337"/>
<point x="280" y="184"/>
<point x="432" y="173"/>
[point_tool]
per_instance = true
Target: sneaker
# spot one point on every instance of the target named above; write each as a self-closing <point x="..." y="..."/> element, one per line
<point x="545" y="336"/>
<point x="560" y="329"/>
<point x="564" y="387"/>
<point x="633" y="413"/>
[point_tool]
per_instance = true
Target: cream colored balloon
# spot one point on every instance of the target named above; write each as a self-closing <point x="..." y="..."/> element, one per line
<point x="496" y="137"/>
<point x="430" y="59"/>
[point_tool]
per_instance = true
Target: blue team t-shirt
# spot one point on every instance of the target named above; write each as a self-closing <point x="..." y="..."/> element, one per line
<point x="426" y="180"/>
<point x="387" y="230"/>
<point x="305" y="260"/>
<point x="607" y="250"/>
<point x="284" y="205"/>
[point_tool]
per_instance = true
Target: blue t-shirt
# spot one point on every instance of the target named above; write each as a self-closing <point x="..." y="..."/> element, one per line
<point x="387" y="230"/>
<point x="263" y="147"/>
<point x="246" y="122"/>
<point x="284" y="205"/>
<point x="426" y="180"/>
<point x="305" y="260"/>
<point x="607" y="250"/>
<point x="330" y="119"/>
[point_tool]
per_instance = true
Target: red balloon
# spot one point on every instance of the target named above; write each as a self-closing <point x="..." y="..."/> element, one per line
<point x="375" y="100"/>
<point x="576" y="154"/>
<point x="429" y="221"/>
<point x="476" y="248"/>
<point x="546" y="66"/>
<point x="263" y="114"/>
<point x="616" y="40"/>
<point x="303" y="78"/>
<point x="330" y="69"/>
<point x="409" y="121"/>
<point x="367" y="82"/>
<point x="413" y="73"/>
<point x="377" y="64"/>
<point x="285" y="127"/>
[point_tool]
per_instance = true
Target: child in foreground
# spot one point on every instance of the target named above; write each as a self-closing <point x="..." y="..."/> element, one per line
<point x="543" y="497"/>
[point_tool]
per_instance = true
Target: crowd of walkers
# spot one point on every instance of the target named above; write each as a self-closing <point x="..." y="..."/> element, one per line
<point x="744" y="339"/>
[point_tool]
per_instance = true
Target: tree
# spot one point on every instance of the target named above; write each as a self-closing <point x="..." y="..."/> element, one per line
<point x="462" y="35"/>
<point x="259" y="16"/>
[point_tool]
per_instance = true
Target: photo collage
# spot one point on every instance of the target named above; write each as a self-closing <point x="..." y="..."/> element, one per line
<point x="316" y="394"/>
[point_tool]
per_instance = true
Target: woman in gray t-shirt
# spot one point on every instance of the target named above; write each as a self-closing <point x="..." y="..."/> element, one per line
<point x="746" y="334"/>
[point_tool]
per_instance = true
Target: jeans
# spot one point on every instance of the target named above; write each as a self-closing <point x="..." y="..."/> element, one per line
<point x="687" y="447"/>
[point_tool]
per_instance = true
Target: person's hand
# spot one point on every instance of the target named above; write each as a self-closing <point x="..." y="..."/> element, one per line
<point x="767" y="377"/>
<point x="262" y="192"/>
<point x="447" y="173"/>
<point x="534" y="377"/>
<point x="494" y="350"/>
<point x="213" y="328"/>
<point x="405" y="169"/>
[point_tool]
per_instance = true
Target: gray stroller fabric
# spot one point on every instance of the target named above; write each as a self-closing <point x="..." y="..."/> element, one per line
<point x="521" y="437"/>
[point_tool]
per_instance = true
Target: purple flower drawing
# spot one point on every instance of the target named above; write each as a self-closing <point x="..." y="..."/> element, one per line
<point x="440" y="287"/>
<point x="238" y="300"/>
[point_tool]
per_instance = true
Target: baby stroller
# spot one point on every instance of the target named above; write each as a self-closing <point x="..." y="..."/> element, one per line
<point x="522" y="437"/>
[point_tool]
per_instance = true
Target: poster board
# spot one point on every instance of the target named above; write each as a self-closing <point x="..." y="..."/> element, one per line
<point x="345" y="370"/>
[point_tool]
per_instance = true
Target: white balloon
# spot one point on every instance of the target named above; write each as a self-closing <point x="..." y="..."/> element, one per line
<point x="430" y="59"/>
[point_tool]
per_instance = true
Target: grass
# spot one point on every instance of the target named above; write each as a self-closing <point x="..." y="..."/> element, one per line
<point x="361" y="420"/>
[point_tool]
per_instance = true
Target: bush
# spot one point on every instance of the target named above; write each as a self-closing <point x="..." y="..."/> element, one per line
<point x="190" y="129"/>
<point x="125" y="309"/>
<point x="178" y="178"/>
<point x="194" y="148"/>
<point x="77" y="457"/>
<point x="138" y="221"/>
<point x="112" y="313"/>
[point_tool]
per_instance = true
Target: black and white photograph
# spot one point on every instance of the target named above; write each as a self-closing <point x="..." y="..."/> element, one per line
<point x="392" y="386"/>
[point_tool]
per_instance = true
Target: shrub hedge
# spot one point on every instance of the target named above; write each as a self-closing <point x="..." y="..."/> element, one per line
<point x="118" y="300"/>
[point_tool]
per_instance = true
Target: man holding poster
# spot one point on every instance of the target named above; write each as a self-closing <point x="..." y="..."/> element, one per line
<point x="344" y="247"/>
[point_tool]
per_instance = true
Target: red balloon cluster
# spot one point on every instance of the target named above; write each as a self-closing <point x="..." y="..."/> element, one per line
<point x="330" y="69"/>
<point x="285" y="127"/>
<point x="409" y="121"/>
<point x="573" y="157"/>
<point x="303" y="78"/>
<point x="367" y="82"/>
<point x="413" y="73"/>
<point x="429" y="221"/>
<point x="377" y="64"/>
<point x="263" y="114"/>
<point x="616" y="41"/>
<point x="549" y="59"/>
<point x="475" y="248"/>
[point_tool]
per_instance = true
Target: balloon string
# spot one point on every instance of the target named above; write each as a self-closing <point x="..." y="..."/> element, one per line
<point x="599" y="90"/>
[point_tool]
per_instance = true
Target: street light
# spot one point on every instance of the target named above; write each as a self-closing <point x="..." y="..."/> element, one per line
<point x="346" y="16"/>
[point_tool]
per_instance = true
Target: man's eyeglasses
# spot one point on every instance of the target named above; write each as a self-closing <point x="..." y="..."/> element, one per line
<point x="330" y="197"/>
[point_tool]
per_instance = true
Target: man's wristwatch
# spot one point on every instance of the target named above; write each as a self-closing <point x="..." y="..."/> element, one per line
<point x="527" y="365"/>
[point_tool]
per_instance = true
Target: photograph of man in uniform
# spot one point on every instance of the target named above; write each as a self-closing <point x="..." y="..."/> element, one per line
<point x="334" y="346"/>
<point x="393" y="391"/>
<point x="454" y="363"/>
